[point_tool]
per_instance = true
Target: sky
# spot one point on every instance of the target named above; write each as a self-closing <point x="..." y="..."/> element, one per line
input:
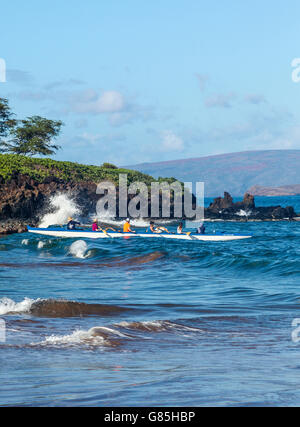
<point x="139" y="81"/>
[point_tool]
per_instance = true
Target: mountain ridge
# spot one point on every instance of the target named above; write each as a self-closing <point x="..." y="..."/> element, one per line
<point x="233" y="172"/>
<point x="284" y="190"/>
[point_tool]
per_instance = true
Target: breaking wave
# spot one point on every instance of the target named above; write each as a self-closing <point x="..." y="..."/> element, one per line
<point x="79" y="249"/>
<point x="103" y="336"/>
<point x="62" y="206"/>
<point x="8" y="306"/>
<point x="57" y="308"/>
<point x="97" y="337"/>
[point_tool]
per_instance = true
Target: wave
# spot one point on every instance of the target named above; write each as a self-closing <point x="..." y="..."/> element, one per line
<point x="79" y="249"/>
<point x="157" y="326"/>
<point x="103" y="336"/>
<point x="62" y="206"/>
<point x="98" y="336"/>
<point x="8" y="306"/>
<point x="58" y="308"/>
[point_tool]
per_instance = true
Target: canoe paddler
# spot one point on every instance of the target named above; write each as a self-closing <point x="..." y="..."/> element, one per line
<point x="153" y="229"/>
<point x="201" y="229"/>
<point x="179" y="228"/>
<point x="72" y="224"/>
<point x="127" y="227"/>
<point x="96" y="227"/>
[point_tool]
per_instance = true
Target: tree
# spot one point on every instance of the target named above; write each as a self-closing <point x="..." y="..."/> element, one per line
<point x="109" y="166"/>
<point x="7" y="123"/>
<point x="33" y="136"/>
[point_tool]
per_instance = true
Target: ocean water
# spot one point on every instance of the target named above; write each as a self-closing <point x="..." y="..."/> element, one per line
<point x="152" y="323"/>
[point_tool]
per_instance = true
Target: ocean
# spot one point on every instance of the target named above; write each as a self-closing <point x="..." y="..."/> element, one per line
<point x="128" y="322"/>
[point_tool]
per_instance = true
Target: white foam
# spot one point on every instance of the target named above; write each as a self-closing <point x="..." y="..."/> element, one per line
<point x="41" y="244"/>
<point x="244" y="213"/>
<point x="77" y="337"/>
<point x="25" y="242"/>
<point x="64" y="207"/>
<point x="79" y="249"/>
<point x="103" y="329"/>
<point x="7" y="305"/>
<point x="97" y="336"/>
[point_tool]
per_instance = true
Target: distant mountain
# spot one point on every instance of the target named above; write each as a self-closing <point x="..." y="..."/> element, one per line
<point x="234" y="172"/>
<point x="285" y="190"/>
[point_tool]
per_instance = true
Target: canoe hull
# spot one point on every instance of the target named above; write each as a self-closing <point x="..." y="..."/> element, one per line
<point x="74" y="234"/>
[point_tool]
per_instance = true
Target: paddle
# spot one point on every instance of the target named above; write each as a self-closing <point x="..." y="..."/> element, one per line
<point x="105" y="232"/>
<point x="189" y="234"/>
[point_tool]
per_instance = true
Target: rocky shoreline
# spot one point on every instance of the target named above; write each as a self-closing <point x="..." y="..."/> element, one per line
<point x="225" y="209"/>
<point x="23" y="201"/>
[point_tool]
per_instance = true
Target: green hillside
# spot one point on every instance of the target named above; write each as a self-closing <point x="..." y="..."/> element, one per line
<point x="40" y="169"/>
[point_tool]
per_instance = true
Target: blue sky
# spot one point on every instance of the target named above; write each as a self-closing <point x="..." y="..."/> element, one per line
<point x="137" y="81"/>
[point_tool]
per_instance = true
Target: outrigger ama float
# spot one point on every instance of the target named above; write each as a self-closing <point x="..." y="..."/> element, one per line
<point x="86" y="234"/>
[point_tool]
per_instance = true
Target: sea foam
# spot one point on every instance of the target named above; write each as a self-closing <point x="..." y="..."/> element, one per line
<point x="63" y="207"/>
<point x="7" y="305"/>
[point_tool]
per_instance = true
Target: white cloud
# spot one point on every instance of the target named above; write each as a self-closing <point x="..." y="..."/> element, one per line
<point x="107" y="102"/>
<point x="171" y="142"/>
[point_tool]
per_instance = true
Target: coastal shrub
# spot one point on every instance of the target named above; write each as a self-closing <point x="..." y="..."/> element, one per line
<point x="109" y="166"/>
<point x="41" y="168"/>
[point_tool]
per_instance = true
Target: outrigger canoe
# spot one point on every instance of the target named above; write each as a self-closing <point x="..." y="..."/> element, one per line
<point x="88" y="234"/>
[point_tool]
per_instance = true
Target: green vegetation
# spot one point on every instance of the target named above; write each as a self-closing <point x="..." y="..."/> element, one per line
<point x="40" y="169"/>
<point x="7" y="123"/>
<point x="109" y="166"/>
<point x="32" y="136"/>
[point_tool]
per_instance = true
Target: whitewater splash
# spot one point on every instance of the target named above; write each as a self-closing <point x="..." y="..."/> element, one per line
<point x="245" y="213"/>
<point x="63" y="207"/>
<point x="97" y="336"/>
<point x="8" y="306"/>
<point x="79" y="249"/>
<point x="41" y="244"/>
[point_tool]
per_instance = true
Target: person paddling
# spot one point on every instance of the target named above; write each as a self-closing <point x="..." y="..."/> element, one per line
<point x="72" y="224"/>
<point x="157" y="230"/>
<point x="127" y="227"/>
<point x="179" y="228"/>
<point x="95" y="227"/>
<point x="201" y="229"/>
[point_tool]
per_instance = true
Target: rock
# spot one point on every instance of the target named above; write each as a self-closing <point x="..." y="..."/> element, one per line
<point x="221" y="203"/>
<point x="248" y="201"/>
<point x="226" y="209"/>
<point x="11" y="227"/>
<point x="290" y="212"/>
